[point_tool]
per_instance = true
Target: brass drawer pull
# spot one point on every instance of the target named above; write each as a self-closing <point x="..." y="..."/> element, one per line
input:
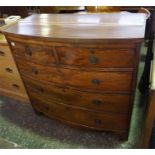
<point x="34" y="71"/>
<point x="2" y="53"/>
<point x="96" y="81"/>
<point x="29" y="51"/>
<point x="93" y="60"/>
<point x="9" y="70"/>
<point x="97" y="102"/>
<point x="40" y="89"/>
<point x="15" y="86"/>
<point x="98" y="122"/>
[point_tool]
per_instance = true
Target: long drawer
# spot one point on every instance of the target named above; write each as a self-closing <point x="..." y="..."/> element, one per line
<point x="96" y="120"/>
<point x="101" y="58"/>
<point x="116" y="103"/>
<point x="99" y="81"/>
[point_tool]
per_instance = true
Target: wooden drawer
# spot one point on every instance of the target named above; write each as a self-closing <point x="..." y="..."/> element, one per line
<point x="9" y="68"/>
<point x="7" y="63"/>
<point x="96" y="120"/>
<point x="94" y="101"/>
<point x="5" y="52"/>
<point x="98" y="81"/>
<point x="108" y="58"/>
<point x="34" y="52"/>
<point x="12" y="83"/>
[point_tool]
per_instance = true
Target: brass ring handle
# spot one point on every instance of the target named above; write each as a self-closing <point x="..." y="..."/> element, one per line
<point x="2" y="53"/>
<point x="29" y="51"/>
<point x="97" y="102"/>
<point x="93" y="60"/>
<point x="15" y="86"/>
<point x="40" y="89"/>
<point x="9" y="70"/>
<point x="35" y="71"/>
<point x="96" y="81"/>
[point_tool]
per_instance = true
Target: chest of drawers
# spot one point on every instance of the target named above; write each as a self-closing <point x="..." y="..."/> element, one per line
<point x="11" y="84"/>
<point x="80" y="80"/>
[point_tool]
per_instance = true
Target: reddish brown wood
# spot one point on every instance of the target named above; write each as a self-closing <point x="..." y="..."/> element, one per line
<point x="84" y="80"/>
<point x="88" y="100"/>
<point x="109" y="58"/>
<point x="35" y="53"/>
<point x="103" y="81"/>
<point x="97" y="120"/>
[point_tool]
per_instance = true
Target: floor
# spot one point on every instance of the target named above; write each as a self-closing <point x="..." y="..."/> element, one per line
<point x="20" y="127"/>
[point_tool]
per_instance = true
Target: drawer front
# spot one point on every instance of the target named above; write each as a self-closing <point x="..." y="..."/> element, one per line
<point x="12" y="83"/>
<point x="37" y="89"/>
<point x="95" y="120"/>
<point x="7" y="63"/>
<point x="34" y="52"/>
<point x="108" y="58"/>
<point x="9" y="68"/>
<point x="98" y="81"/>
<point x="93" y="101"/>
<point x="38" y="72"/>
<point x="5" y="52"/>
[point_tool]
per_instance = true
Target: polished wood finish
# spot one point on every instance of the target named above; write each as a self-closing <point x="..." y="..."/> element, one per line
<point x="89" y="100"/>
<point x="81" y="116"/>
<point x="101" y="81"/>
<point x="35" y="53"/>
<point x="11" y="84"/>
<point x="96" y="57"/>
<point x="83" y="26"/>
<point x="85" y="77"/>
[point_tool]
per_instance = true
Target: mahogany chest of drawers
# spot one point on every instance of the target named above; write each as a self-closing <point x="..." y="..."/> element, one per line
<point x="80" y="69"/>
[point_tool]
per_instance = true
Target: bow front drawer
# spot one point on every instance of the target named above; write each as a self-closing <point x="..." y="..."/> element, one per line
<point x="102" y="58"/>
<point x="93" y="101"/>
<point x="97" y="81"/>
<point x="34" y="52"/>
<point x="80" y="116"/>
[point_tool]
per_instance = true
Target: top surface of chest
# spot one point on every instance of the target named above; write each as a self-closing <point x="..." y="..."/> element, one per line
<point x="82" y="26"/>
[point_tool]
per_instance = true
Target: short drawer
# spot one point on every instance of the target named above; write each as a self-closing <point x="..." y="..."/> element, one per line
<point x="9" y="68"/>
<point x="5" y="52"/>
<point x="94" y="101"/>
<point x="96" y="120"/>
<point x="12" y="83"/>
<point x="98" y="81"/>
<point x="102" y="58"/>
<point x="34" y="52"/>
